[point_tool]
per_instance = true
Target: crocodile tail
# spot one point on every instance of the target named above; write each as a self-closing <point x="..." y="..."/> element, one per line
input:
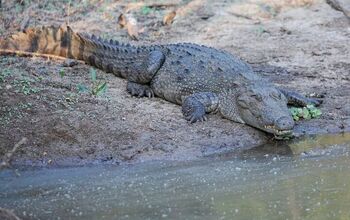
<point x="108" y="55"/>
<point x="59" y="41"/>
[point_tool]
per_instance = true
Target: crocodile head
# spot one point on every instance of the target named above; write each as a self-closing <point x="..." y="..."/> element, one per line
<point x="261" y="106"/>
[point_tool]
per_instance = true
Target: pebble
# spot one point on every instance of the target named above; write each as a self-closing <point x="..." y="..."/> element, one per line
<point x="69" y="63"/>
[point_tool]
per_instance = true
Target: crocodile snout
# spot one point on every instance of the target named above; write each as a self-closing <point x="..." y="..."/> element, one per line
<point x="284" y="123"/>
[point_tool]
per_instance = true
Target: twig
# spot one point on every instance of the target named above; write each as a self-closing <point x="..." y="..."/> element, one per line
<point x="159" y="5"/>
<point x="29" y="54"/>
<point x="8" y="156"/>
<point x="137" y="5"/>
<point x="241" y="16"/>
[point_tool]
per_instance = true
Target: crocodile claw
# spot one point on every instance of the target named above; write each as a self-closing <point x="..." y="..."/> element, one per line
<point x="194" y="115"/>
<point x="194" y="119"/>
<point x="314" y="101"/>
<point x="139" y="90"/>
<point x="149" y="93"/>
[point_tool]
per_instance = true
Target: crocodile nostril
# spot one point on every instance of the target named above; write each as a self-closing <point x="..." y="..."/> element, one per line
<point x="284" y="123"/>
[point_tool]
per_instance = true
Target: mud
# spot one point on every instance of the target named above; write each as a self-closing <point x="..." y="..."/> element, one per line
<point x="301" y="45"/>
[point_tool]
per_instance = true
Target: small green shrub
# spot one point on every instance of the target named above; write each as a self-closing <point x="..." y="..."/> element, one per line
<point x="308" y="112"/>
<point x="97" y="87"/>
<point x="146" y="10"/>
<point x="25" y="86"/>
<point x="62" y="73"/>
<point x="4" y="74"/>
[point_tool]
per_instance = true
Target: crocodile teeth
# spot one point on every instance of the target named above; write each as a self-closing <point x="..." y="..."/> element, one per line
<point x="278" y="132"/>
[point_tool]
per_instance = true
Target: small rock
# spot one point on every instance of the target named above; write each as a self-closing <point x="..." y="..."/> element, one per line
<point x="317" y="95"/>
<point x="69" y="63"/>
<point x="285" y="31"/>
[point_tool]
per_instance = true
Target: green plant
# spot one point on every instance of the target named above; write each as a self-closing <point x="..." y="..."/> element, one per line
<point x="17" y="111"/>
<point x="308" y="112"/>
<point x="70" y="98"/>
<point x="61" y="73"/>
<point x="93" y="75"/>
<point x="102" y="9"/>
<point x="25" y="106"/>
<point x="97" y="88"/>
<point x="260" y="30"/>
<point x="82" y="88"/>
<point x="4" y="74"/>
<point x="24" y="85"/>
<point x="146" y="10"/>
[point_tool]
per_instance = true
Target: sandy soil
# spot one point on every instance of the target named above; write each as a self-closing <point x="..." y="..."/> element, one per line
<point x="297" y="44"/>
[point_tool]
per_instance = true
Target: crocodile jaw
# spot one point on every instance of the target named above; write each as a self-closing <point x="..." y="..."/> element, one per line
<point x="278" y="133"/>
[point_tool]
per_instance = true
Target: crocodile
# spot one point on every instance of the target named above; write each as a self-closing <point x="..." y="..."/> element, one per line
<point x="202" y="79"/>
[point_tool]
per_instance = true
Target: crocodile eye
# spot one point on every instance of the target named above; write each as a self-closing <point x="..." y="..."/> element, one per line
<point x="242" y="103"/>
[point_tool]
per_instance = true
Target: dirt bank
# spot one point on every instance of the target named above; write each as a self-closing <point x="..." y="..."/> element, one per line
<point x="302" y="45"/>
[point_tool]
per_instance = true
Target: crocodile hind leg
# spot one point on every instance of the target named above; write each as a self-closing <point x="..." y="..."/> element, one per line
<point x="195" y="106"/>
<point x="297" y="99"/>
<point x="138" y="81"/>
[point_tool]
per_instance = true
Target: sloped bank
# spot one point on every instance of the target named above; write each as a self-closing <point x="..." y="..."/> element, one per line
<point x="51" y="104"/>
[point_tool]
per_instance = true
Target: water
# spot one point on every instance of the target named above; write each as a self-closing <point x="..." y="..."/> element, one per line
<point x="309" y="180"/>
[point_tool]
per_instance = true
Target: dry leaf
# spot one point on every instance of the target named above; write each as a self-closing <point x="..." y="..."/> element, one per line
<point x="169" y="18"/>
<point x="130" y="23"/>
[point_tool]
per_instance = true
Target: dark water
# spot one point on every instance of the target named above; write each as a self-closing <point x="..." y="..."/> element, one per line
<point x="308" y="179"/>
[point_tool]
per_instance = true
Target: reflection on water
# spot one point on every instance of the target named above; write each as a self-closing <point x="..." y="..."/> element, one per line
<point x="264" y="185"/>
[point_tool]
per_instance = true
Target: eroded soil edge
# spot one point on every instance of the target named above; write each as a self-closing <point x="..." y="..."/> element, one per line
<point x="303" y="46"/>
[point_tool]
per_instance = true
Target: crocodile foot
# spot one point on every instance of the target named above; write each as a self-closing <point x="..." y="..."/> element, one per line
<point x="139" y="90"/>
<point x="297" y="99"/>
<point x="193" y="110"/>
<point x="313" y="101"/>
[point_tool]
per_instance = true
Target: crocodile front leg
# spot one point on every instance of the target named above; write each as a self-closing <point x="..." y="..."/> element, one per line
<point x="195" y="106"/>
<point x="297" y="99"/>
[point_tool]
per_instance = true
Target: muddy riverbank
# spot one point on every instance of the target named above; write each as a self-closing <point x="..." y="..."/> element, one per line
<point x="301" y="45"/>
